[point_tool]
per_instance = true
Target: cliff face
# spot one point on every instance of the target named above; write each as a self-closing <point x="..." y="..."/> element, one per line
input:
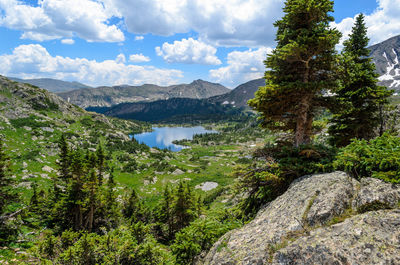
<point x="321" y="219"/>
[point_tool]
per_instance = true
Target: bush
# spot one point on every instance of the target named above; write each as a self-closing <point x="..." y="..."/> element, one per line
<point x="377" y="158"/>
<point x="276" y="167"/>
<point x="200" y="236"/>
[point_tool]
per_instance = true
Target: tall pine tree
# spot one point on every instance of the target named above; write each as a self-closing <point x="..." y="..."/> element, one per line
<point x="359" y="97"/>
<point x="7" y="195"/>
<point x="301" y="68"/>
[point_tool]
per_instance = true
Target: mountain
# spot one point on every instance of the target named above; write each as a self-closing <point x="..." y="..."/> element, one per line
<point x="32" y="120"/>
<point x="173" y="109"/>
<point x="52" y="85"/>
<point x="110" y="96"/>
<point x="386" y="56"/>
<point x="239" y="96"/>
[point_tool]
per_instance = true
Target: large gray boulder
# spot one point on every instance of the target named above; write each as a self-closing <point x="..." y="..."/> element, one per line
<point x="300" y="223"/>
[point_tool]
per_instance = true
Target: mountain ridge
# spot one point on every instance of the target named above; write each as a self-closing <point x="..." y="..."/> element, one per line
<point x="110" y="96"/>
<point x="52" y="85"/>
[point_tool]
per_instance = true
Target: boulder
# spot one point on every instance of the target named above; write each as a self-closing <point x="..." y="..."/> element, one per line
<point x="370" y="238"/>
<point x="296" y="228"/>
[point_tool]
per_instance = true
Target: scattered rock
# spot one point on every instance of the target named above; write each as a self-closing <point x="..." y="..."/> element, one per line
<point x="47" y="169"/>
<point x="207" y="186"/>
<point x="177" y="172"/>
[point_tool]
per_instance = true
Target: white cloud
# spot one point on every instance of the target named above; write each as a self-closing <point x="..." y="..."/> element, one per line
<point x="54" y="19"/>
<point x="67" y="41"/>
<point x="188" y="51"/>
<point x="139" y="58"/>
<point x="242" y="66"/>
<point x="222" y="22"/>
<point x="382" y="24"/>
<point x="34" y="61"/>
<point x="139" y="38"/>
<point x="120" y="58"/>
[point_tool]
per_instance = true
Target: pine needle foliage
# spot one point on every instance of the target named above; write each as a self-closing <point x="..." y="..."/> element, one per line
<point x="360" y="99"/>
<point x="300" y="69"/>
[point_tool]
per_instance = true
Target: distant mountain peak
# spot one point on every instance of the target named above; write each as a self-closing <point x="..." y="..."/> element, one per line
<point x="386" y="56"/>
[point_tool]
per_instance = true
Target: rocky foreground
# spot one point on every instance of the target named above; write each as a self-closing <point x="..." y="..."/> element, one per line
<point x="321" y="219"/>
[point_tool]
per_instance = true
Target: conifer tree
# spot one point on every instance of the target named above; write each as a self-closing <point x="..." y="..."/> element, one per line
<point x="64" y="159"/>
<point x="100" y="162"/>
<point x="184" y="206"/>
<point x="7" y="196"/>
<point x="300" y="69"/>
<point x="165" y="212"/>
<point x="359" y="97"/>
<point x="133" y="209"/>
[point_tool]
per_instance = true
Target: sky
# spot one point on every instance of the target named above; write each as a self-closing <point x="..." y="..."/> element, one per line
<point x="163" y="42"/>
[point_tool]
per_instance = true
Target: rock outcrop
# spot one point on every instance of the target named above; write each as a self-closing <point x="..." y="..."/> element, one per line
<point x="321" y="219"/>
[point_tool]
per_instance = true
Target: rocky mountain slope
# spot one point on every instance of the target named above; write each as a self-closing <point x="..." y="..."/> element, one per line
<point x="109" y="96"/>
<point x="321" y="219"/>
<point x="52" y="85"/>
<point x="386" y="56"/>
<point x="239" y="96"/>
<point x="31" y="123"/>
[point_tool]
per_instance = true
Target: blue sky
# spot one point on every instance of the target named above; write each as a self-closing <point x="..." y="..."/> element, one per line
<point x="112" y="42"/>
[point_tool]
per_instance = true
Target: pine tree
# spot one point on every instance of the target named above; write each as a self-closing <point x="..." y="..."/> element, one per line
<point x="301" y="68"/>
<point x="134" y="209"/>
<point x="359" y="97"/>
<point x="184" y="206"/>
<point x="165" y="211"/>
<point x="7" y="196"/>
<point x="100" y="162"/>
<point x="64" y="159"/>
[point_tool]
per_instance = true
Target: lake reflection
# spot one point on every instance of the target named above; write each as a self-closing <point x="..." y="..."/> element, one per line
<point x="162" y="137"/>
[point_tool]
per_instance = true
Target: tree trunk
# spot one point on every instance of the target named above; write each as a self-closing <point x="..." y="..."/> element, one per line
<point x="304" y="123"/>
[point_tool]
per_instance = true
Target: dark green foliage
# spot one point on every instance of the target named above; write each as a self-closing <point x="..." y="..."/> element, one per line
<point x="200" y="236"/>
<point x="134" y="209"/>
<point x="120" y="246"/>
<point x="265" y="180"/>
<point x="7" y="196"/>
<point x="360" y="101"/>
<point x="178" y="207"/>
<point x="31" y="121"/>
<point x="64" y="159"/>
<point x="180" y="110"/>
<point x="300" y="68"/>
<point x="377" y="158"/>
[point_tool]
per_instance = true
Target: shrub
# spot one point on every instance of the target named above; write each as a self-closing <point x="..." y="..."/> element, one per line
<point x="276" y="168"/>
<point x="377" y="158"/>
<point x="200" y="236"/>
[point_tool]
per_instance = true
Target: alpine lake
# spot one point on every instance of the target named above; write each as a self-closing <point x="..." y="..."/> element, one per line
<point x="164" y="137"/>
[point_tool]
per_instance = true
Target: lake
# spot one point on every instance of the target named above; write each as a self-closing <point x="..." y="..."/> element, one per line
<point x="162" y="137"/>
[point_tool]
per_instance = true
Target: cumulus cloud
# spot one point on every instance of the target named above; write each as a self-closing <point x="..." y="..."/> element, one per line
<point x="242" y="66"/>
<point x="68" y="41"/>
<point x="139" y="38"/>
<point x="54" y="19"/>
<point x="222" y="22"/>
<point x="139" y="58"/>
<point x="188" y="51"/>
<point x="34" y="61"/>
<point x="382" y="24"/>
